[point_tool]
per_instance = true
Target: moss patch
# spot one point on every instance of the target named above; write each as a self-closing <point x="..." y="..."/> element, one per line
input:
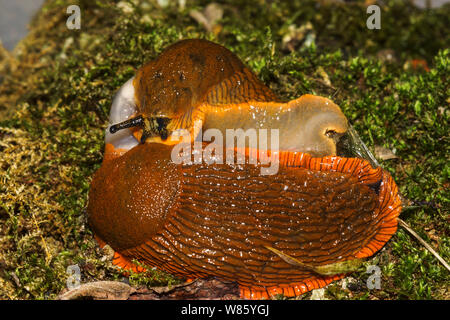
<point x="56" y="90"/>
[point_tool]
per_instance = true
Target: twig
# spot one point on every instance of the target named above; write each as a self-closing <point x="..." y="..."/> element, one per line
<point x="426" y="245"/>
<point x="115" y="290"/>
<point x="99" y="290"/>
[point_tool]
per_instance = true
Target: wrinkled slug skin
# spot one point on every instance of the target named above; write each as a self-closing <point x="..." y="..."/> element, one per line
<point x="191" y="72"/>
<point x="199" y="220"/>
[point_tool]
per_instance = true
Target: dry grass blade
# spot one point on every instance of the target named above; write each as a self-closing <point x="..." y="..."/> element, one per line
<point x="426" y="245"/>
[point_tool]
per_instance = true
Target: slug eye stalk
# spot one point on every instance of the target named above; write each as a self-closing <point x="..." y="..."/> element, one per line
<point x="130" y="123"/>
<point x="151" y="127"/>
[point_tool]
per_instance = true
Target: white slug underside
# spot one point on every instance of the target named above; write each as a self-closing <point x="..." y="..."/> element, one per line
<point x="123" y="107"/>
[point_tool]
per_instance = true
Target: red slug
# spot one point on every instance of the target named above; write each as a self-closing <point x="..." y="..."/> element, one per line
<point x="284" y="233"/>
<point x="200" y="82"/>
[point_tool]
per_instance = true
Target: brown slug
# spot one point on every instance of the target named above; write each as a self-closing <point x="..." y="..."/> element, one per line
<point x="196" y="84"/>
<point x="289" y="232"/>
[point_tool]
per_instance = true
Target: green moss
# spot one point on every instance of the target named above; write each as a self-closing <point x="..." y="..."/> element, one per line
<point x="56" y="92"/>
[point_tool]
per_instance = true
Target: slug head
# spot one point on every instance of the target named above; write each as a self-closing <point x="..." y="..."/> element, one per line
<point x="127" y="126"/>
<point x="310" y="124"/>
<point x="324" y="130"/>
<point x="314" y="125"/>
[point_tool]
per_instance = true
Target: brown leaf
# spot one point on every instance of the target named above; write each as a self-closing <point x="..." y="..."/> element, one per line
<point x="294" y="36"/>
<point x="208" y="17"/>
<point x="384" y="153"/>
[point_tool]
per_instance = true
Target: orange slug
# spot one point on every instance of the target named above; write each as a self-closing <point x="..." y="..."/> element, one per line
<point x="220" y="220"/>
<point x="196" y="84"/>
<point x="299" y="229"/>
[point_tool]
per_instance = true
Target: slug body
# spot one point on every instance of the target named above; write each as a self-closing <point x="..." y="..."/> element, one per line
<point x="196" y="85"/>
<point x="219" y="220"/>
<point x="288" y="233"/>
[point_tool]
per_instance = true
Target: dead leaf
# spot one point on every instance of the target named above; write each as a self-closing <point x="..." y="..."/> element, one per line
<point x="387" y="55"/>
<point x="384" y="153"/>
<point x="324" y="76"/>
<point x="432" y="235"/>
<point x="294" y="36"/>
<point x="208" y="17"/>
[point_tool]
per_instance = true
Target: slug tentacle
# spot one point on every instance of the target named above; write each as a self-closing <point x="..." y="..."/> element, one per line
<point x="130" y="123"/>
